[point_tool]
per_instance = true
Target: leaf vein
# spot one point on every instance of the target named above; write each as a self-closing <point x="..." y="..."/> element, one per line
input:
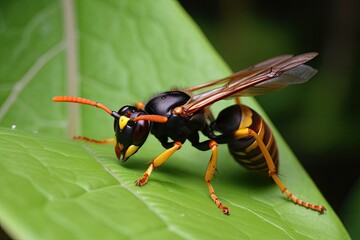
<point x="28" y="76"/>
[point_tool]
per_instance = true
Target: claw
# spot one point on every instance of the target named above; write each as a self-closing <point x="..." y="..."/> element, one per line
<point x="225" y="210"/>
<point x="142" y="181"/>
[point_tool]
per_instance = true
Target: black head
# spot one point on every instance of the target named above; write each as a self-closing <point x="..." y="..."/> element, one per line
<point x="130" y="135"/>
<point x="131" y="125"/>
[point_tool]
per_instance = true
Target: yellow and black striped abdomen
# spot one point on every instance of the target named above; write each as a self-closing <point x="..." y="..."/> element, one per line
<point x="246" y="150"/>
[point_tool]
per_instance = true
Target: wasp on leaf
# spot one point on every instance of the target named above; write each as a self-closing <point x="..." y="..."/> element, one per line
<point x="176" y="116"/>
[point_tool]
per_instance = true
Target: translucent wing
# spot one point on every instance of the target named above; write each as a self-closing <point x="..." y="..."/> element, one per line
<point x="243" y="73"/>
<point x="262" y="78"/>
<point x="297" y="75"/>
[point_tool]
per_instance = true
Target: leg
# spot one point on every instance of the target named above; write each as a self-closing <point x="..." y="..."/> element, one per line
<point x="202" y="146"/>
<point x="109" y="140"/>
<point x="157" y="162"/>
<point x="210" y="171"/>
<point x="118" y="148"/>
<point x="273" y="172"/>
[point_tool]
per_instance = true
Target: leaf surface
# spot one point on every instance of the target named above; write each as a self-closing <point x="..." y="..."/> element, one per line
<point x="120" y="52"/>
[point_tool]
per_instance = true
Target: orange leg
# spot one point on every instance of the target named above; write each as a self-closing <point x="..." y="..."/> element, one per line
<point x="210" y="171"/>
<point x="104" y="141"/>
<point x="157" y="162"/>
<point x="273" y="172"/>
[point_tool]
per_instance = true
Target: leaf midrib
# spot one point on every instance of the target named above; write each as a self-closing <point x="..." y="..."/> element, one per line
<point x="72" y="69"/>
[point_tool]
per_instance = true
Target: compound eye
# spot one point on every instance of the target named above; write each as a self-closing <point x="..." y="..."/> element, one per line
<point x="140" y="132"/>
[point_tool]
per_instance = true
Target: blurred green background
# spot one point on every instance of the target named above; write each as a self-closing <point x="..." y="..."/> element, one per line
<point x="320" y="119"/>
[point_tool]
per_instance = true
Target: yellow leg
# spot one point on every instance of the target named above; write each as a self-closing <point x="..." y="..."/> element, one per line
<point x="273" y="172"/>
<point x="210" y="171"/>
<point x="157" y="162"/>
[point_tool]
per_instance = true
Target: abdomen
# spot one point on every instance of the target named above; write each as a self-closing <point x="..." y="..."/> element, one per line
<point x="246" y="150"/>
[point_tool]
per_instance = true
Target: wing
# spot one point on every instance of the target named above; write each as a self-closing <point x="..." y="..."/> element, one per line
<point x="265" y="77"/>
<point x="240" y="74"/>
<point x="297" y="75"/>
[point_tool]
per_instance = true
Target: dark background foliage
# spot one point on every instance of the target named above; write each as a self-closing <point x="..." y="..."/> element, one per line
<point x="320" y="119"/>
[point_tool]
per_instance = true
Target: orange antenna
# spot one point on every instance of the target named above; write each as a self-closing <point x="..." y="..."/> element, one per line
<point x="152" y="118"/>
<point x="86" y="102"/>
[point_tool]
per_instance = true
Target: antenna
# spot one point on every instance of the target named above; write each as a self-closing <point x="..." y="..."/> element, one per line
<point x="72" y="99"/>
<point x="85" y="101"/>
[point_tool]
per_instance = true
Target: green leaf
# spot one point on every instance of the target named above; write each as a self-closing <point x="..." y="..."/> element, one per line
<point x="350" y="210"/>
<point x="120" y="52"/>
